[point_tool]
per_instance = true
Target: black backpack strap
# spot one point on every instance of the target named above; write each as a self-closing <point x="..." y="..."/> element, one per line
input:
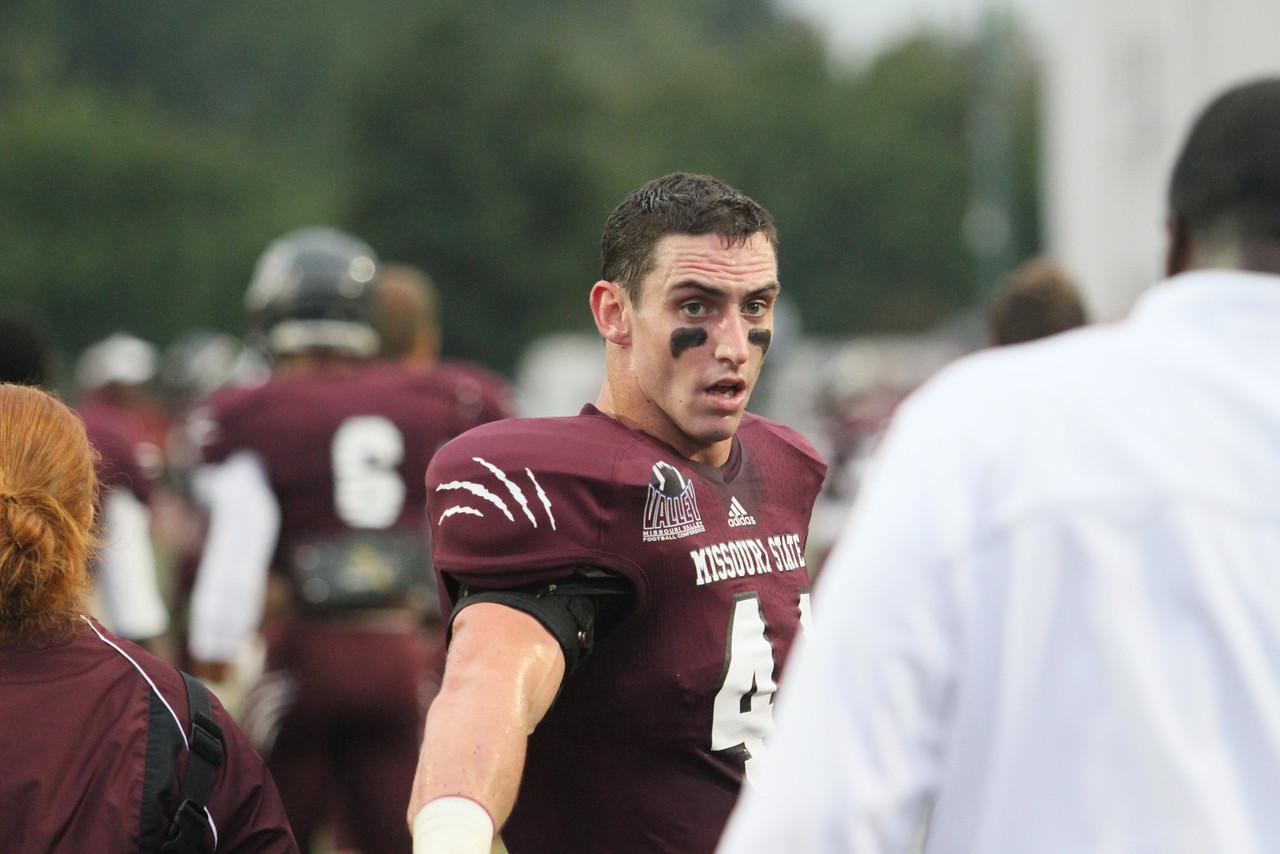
<point x="164" y="742"/>
<point x="205" y="755"/>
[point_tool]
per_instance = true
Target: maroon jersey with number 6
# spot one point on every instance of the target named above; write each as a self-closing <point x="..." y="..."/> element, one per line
<point x="344" y="449"/>
<point x="648" y="744"/>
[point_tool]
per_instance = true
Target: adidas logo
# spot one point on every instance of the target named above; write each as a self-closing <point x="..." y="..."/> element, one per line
<point x="738" y="514"/>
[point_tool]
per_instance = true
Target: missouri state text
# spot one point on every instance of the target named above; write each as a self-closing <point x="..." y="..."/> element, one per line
<point x="750" y="556"/>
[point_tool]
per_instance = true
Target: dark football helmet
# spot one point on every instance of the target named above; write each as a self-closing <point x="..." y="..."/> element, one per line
<point x="312" y="289"/>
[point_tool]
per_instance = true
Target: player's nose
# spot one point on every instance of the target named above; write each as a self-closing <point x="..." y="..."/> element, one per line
<point x="731" y="343"/>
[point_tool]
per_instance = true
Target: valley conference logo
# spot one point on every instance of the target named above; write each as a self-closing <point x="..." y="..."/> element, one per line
<point x="671" y="508"/>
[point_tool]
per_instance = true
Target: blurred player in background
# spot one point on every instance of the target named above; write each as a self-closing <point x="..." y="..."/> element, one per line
<point x="196" y="365"/>
<point x="410" y="332"/>
<point x="408" y="323"/>
<point x="1053" y="622"/>
<point x="626" y="583"/>
<point x="315" y="480"/>
<point x="126" y="587"/>
<point x="117" y="376"/>
<point x="408" y="316"/>
<point x="1036" y="300"/>
<point x="128" y="429"/>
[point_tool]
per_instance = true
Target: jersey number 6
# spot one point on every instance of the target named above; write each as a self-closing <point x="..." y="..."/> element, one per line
<point x="368" y="491"/>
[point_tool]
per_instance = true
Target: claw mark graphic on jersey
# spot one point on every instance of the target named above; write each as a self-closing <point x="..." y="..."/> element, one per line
<point x="542" y="496"/>
<point x="517" y="494"/>
<point x="458" y="508"/>
<point x="476" y="489"/>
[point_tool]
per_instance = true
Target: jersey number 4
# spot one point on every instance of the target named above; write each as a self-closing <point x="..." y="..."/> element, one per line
<point x="742" y="712"/>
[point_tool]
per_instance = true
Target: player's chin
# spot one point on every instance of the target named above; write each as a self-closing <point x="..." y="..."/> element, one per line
<point x="716" y="427"/>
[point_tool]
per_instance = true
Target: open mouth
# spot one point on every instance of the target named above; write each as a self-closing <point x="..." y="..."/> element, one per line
<point x="727" y="389"/>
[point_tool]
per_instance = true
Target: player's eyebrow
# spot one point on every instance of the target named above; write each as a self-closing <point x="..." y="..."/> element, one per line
<point x="715" y="291"/>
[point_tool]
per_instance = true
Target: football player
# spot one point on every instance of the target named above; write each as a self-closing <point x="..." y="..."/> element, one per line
<point x="316" y="476"/>
<point x="127" y="591"/>
<point x="128" y="429"/>
<point x="408" y="323"/>
<point x="626" y="583"/>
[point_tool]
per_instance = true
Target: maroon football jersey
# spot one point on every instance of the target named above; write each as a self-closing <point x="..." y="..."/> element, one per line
<point x="127" y="460"/>
<point x="479" y="394"/>
<point x="648" y="744"/>
<point x="344" y="449"/>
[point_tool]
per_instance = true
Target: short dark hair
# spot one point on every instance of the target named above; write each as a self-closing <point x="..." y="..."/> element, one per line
<point x="679" y="203"/>
<point x="26" y="348"/>
<point x="1036" y="300"/>
<point x="1228" y="173"/>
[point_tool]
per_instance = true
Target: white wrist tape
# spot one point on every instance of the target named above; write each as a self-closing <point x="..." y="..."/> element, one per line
<point x="453" y="825"/>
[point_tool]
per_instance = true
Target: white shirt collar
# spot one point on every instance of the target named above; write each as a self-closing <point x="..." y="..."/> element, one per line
<point x="1192" y="295"/>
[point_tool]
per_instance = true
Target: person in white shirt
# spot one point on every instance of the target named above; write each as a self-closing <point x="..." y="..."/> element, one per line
<point x="1052" y="623"/>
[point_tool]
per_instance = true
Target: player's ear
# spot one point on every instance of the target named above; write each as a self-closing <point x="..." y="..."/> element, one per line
<point x="612" y="311"/>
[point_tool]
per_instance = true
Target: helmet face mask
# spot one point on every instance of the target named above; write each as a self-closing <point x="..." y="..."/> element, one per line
<point x="312" y="289"/>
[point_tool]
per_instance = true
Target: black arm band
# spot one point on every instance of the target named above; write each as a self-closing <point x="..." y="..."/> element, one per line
<point x="567" y="609"/>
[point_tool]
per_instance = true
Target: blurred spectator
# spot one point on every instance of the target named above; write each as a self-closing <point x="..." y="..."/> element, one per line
<point x="1036" y="300"/>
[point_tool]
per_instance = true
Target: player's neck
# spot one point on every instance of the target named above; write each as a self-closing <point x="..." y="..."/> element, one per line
<point x="625" y="402"/>
<point x="314" y="362"/>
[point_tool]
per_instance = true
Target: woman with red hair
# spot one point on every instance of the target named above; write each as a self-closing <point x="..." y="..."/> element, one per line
<point x="95" y="733"/>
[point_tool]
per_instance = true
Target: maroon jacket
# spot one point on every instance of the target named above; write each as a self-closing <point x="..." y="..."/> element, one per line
<point x="74" y="727"/>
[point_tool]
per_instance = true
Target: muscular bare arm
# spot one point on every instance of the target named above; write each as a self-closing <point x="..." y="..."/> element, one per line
<point x="503" y="671"/>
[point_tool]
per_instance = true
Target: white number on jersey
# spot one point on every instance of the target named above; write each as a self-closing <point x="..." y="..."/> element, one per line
<point x="368" y="491"/>
<point x="742" y="712"/>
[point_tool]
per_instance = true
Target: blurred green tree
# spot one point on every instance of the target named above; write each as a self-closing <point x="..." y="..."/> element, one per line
<point x="148" y="150"/>
<point x="490" y="145"/>
<point x="124" y="219"/>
